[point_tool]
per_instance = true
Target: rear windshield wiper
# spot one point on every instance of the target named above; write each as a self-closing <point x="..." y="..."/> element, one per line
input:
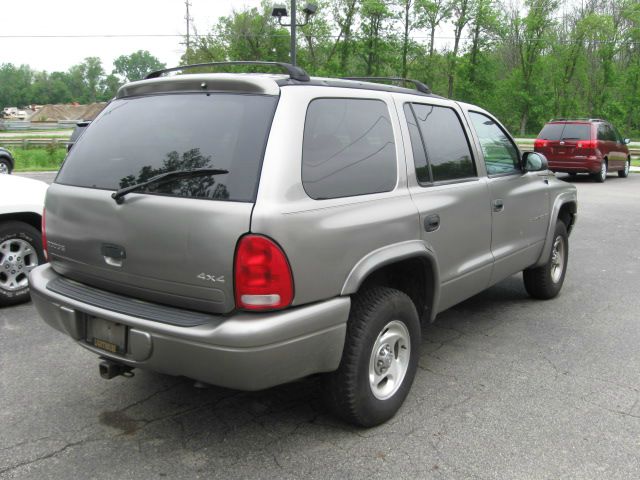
<point x="118" y="196"/>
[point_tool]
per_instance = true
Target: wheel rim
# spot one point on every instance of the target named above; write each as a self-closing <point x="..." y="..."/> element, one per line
<point x="557" y="259"/>
<point x="603" y="170"/>
<point x="17" y="259"/>
<point x="626" y="167"/>
<point x="4" y="168"/>
<point x="389" y="360"/>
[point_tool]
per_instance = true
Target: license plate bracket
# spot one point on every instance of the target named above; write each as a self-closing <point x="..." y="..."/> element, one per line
<point x="107" y="335"/>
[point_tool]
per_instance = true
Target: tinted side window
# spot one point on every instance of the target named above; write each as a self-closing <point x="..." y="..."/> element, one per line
<point x="500" y="154"/>
<point x="447" y="147"/>
<point x="602" y="132"/>
<point x="611" y="135"/>
<point x="348" y="148"/>
<point x="417" y="146"/>
<point x="616" y="134"/>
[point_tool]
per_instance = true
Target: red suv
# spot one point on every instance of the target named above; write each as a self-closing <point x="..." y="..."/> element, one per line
<point x="584" y="146"/>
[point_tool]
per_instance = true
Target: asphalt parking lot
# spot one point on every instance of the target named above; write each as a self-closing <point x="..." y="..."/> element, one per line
<point x="508" y="387"/>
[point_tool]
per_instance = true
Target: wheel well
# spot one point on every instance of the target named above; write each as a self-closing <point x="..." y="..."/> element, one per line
<point x="29" y="218"/>
<point x="413" y="276"/>
<point x="568" y="215"/>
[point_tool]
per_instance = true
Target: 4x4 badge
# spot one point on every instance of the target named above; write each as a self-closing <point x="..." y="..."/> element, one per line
<point x="211" y="278"/>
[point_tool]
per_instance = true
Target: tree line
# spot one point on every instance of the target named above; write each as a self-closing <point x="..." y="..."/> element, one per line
<point x="524" y="60"/>
<point x="86" y="82"/>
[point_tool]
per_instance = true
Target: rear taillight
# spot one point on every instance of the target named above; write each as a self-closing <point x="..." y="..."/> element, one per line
<point x="587" y="144"/>
<point x="263" y="279"/>
<point x="540" y="143"/>
<point x="44" y="236"/>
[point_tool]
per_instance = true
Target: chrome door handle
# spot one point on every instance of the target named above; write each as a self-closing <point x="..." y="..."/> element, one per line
<point x="498" y="205"/>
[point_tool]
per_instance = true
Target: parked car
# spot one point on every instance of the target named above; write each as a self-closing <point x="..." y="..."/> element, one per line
<point x="584" y="146"/>
<point x="6" y="161"/>
<point x="77" y="133"/>
<point x="274" y="227"/>
<point x="21" y="206"/>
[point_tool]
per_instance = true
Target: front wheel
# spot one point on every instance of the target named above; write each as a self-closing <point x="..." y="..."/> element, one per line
<point x="20" y="252"/>
<point x="379" y="360"/>
<point x="624" y="173"/>
<point x="545" y="282"/>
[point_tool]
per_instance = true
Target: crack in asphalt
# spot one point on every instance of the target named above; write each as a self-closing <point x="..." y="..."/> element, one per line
<point x="47" y="456"/>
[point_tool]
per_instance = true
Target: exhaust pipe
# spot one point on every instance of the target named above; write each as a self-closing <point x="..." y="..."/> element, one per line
<point x="109" y="369"/>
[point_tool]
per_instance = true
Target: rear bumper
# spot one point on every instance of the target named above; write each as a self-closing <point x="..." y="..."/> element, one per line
<point x="586" y="164"/>
<point x="244" y="351"/>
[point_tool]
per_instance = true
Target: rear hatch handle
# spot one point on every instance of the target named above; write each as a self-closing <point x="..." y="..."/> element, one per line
<point x="118" y="196"/>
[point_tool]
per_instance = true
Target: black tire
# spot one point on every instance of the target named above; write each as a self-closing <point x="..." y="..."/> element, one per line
<point x="5" y="165"/>
<point x="601" y="176"/>
<point x="12" y="234"/>
<point x="543" y="282"/>
<point x="624" y="173"/>
<point x="348" y="391"/>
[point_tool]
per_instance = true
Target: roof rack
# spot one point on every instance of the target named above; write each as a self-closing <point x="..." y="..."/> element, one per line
<point x="577" y="119"/>
<point x="421" y="87"/>
<point x="295" y="73"/>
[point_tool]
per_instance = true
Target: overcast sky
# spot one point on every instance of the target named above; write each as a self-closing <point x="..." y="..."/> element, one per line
<point x="90" y="17"/>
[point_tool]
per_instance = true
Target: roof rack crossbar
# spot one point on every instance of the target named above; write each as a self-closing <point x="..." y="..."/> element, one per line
<point x="295" y="73"/>
<point x="421" y="87"/>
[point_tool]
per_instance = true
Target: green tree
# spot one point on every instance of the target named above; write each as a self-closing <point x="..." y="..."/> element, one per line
<point x="136" y="65"/>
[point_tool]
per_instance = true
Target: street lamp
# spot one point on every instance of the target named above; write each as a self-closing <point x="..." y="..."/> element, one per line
<point x="279" y="11"/>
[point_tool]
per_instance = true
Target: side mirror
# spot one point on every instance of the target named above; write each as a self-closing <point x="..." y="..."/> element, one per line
<point x="534" y="162"/>
<point x="627" y="141"/>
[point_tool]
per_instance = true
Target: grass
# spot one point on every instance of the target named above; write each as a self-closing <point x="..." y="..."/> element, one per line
<point x="635" y="162"/>
<point x="38" y="159"/>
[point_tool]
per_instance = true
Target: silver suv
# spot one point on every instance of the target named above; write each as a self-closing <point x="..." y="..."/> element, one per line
<point x="247" y="230"/>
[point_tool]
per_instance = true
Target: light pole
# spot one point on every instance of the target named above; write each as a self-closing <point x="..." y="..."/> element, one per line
<point x="280" y="11"/>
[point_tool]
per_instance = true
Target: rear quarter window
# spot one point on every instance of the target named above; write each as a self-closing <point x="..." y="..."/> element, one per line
<point x="348" y="148"/>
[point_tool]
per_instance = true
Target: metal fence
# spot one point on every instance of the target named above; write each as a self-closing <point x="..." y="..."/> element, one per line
<point x="34" y="142"/>
<point x="24" y="125"/>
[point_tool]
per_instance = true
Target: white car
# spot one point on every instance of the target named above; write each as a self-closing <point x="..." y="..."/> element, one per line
<point x="21" y="205"/>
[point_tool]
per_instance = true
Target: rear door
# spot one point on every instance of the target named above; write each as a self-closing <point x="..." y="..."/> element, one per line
<point x="519" y="201"/>
<point x="171" y="242"/>
<point x="452" y="199"/>
<point x="617" y="155"/>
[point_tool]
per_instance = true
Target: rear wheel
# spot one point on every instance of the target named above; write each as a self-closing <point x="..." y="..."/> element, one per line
<point x="624" y="173"/>
<point x="380" y="358"/>
<point x="20" y="252"/>
<point x="601" y="176"/>
<point x="545" y="282"/>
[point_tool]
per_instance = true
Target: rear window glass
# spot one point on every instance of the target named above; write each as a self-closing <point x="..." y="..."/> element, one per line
<point x="135" y="139"/>
<point x="566" y="131"/>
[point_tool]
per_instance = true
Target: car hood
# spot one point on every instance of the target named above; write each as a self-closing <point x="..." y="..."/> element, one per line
<point x="19" y="194"/>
